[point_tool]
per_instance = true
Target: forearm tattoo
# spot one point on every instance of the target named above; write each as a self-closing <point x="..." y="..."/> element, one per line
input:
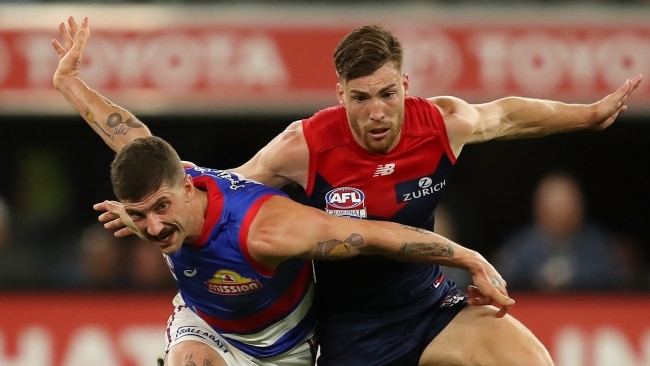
<point x="336" y="248"/>
<point x="88" y="116"/>
<point x="121" y="127"/>
<point x="428" y="249"/>
<point x="416" y="229"/>
<point x="434" y="249"/>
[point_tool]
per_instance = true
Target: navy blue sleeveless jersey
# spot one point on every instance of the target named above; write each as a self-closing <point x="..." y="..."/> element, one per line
<point x="403" y="185"/>
<point x="262" y="312"/>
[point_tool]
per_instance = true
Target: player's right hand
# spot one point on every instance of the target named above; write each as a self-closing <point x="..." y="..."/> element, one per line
<point x="111" y="219"/>
<point x="71" y="51"/>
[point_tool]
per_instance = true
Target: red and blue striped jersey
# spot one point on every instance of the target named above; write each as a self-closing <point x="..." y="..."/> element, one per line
<point x="262" y="312"/>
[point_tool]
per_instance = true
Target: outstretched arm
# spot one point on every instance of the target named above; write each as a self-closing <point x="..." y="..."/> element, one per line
<point x="283" y="229"/>
<point x="517" y="117"/>
<point x="115" y="125"/>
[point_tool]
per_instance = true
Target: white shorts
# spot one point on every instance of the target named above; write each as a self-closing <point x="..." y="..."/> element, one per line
<point x="185" y="325"/>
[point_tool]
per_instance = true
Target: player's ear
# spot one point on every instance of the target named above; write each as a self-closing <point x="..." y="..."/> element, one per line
<point x="188" y="187"/>
<point x="406" y="84"/>
<point x="340" y="94"/>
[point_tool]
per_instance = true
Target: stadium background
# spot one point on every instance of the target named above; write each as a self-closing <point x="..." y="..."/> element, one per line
<point x="273" y="66"/>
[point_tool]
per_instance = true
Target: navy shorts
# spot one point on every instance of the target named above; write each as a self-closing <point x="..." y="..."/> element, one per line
<point x="392" y="339"/>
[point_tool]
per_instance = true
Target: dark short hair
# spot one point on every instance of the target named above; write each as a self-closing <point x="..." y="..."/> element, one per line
<point x="143" y="166"/>
<point x="366" y="49"/>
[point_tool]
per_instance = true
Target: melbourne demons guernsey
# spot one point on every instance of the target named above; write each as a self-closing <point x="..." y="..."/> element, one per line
<point x="403" y="185"/>
<point x="262" y="312"/>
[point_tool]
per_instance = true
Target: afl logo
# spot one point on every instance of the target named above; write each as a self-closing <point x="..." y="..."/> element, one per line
<point x="344" y="198"/>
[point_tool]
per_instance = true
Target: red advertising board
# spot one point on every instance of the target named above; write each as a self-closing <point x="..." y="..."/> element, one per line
<point x="157" y="59"/>
<point x="128" y="329"/>
<point x="59" y="329"/>
<point x="590" y="330"/>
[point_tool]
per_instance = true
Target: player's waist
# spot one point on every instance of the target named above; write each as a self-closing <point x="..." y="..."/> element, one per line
<point x="276" y="340"/>
<point x="380" y="308"/>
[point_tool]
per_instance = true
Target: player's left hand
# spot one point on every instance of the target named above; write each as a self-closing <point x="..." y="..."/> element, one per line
<point x="114" y="217"/>
<point x="490" y="289"/>
<point x="607" y="109"/>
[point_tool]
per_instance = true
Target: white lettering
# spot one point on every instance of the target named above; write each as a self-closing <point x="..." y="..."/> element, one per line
<point x="604" y="346"/>
<point x="40" y="58"/>
<point x="170" y="62"/>
<point x="33" y="347"/>
<point x="91" y="346"/>
<point x="569" y="345"/>
<point x="176" y="61"/>
<point x="345" y="197"/>
<point x="349" y="213"/>
<point x="140" y="343"/>
<point x="541" y="63"/>
<point x="435" y="58"/>
<point x="611" y="347"/>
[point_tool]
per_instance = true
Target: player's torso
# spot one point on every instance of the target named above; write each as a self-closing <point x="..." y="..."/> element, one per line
<point x="403" y="185"/>
<point x="220" y="280"/>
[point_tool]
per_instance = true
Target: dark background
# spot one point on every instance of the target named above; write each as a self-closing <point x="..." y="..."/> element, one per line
<point x="489" y="191"/>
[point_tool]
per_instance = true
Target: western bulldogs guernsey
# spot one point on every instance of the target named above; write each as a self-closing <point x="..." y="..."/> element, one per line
<point x="264" y="313"/>
<point x="403" y="185"/>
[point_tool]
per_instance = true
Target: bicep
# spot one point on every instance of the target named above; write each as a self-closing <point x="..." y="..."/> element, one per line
<point x="467" y="123"/>
<point x="283" y="160"/>
<point x="285" y="229"/>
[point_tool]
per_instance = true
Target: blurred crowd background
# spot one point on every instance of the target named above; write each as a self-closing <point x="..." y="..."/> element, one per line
<point x="537" y="225"/>
<point x="531" y="207"/>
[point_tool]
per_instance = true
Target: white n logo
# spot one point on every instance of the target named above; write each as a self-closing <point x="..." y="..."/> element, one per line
<point x="385" y="169"/>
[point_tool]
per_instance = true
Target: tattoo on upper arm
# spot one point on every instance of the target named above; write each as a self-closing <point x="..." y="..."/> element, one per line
<point x="336" y="248"/>
<point x="428" y="249"/>
<point x="188" y="361"/>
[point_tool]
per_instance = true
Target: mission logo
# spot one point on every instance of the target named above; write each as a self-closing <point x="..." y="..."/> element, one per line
<point x="226" y="282"/>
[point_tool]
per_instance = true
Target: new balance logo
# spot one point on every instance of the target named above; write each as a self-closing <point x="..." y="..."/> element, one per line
<point x="385" y="169"/>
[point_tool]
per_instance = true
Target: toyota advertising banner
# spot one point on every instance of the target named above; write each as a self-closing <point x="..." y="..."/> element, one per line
<point x="155" y="59"/>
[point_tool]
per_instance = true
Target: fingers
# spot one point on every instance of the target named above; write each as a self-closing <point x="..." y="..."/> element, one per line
<point x="633" y="84"/>
<point x="81" y="35"/>
<point x="491" y="295"/>
<point x="65" y="35"/>
<point x="111" y="219"/>
<point x="111" y="207"/>
<point x="123" y="232"/>
<point x="58" y="48"/>
<point x="73" y="25"/>
<point x="71" y="34"/>
<point x="85" y="25"/>
<point x="630" y="86"/>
